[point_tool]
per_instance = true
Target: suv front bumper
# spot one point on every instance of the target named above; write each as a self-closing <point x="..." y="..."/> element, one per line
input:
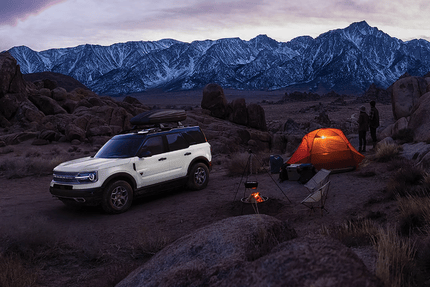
<point x="90" y="196"/>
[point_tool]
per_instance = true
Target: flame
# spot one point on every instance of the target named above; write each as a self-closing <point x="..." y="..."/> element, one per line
<point x="255" y="197"/>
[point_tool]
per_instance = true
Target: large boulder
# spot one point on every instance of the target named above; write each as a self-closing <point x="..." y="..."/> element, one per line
<point x="394" y="128"/>
<point x="415" y="151"/>
<point x="214" y="100"/>
<point x="73" y="132"/>
<point x="59" y="94"/>
<point x="8" y="106"/>
<point x="11" y="79"/>
<point x="420" y="119"/>
<point x="47" y="105"/>
<point x="238" y="112"/>
<point x="29" y="112"/>
<point x="207" y="256"/>
<point x="256" y="117"/>
<point x="252" y="250"/>
<point x="405" y="95"/>
<point x="309" y="261"/>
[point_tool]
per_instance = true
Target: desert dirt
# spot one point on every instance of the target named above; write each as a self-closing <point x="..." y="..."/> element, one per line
<point x="109" y="243"/>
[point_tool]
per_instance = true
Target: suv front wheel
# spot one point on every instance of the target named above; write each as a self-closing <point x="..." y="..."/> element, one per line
<point x="198" y="177"/>
<point x="117" y="197"/>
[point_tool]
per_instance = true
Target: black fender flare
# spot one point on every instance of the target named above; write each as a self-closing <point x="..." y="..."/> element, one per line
<point x="200" y="159"/>
<point x="120" y="176"/>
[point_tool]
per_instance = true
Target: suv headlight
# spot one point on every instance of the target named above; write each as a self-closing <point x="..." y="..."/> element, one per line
<point x="87" y="177"/>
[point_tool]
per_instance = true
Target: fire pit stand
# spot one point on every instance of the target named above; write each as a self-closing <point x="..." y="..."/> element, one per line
<point x="254" y="198"/>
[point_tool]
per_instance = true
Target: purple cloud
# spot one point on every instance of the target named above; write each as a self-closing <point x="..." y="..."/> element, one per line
<point x="13" y="10"/>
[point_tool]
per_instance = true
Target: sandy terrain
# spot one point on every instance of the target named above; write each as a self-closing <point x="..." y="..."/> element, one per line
<point x="110" y="240"/>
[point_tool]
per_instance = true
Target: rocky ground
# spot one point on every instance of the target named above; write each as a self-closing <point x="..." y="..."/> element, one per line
<point x="90" y="248"/>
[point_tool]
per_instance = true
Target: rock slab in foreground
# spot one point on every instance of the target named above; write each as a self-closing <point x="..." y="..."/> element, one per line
<point x="252" y="250"/>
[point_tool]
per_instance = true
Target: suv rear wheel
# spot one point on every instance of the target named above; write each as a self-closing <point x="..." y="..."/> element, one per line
<point x="117" y="197"/>
<point x="199" y="176"/>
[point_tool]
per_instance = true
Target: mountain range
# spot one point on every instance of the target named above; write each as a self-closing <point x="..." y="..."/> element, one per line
<point x="344" y="60"/>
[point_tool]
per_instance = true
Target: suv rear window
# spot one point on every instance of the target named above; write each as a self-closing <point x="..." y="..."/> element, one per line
<point x="194" y="136"/>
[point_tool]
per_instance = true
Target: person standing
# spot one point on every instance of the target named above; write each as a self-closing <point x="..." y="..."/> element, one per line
<point x="363" y="126"/>
<point x="373" y="122"/>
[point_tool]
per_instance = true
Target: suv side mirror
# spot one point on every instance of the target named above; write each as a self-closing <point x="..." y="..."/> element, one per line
<point x="146" y="153"/>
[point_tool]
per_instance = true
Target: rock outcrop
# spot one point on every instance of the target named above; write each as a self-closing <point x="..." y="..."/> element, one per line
<point x="410" y="100"/>
<point x="46" y="112"/>
<point x="214" y="100"/>
<point x="52" y="113"/>
<point x="11" y="79"/>
<point x="420" y="120"/>
<point x="406" y="93"/>
<point x="237" y="112"/>
<point x="252" y="250"/>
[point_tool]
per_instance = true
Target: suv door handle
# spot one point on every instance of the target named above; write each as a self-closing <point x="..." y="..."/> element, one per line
<point x="187" y="153"/>
<point x="162" y="158"/>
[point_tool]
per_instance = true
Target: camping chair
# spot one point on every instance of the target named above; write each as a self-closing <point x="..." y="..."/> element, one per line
<point x="318" y="180"/>
<point x="317" y="199"/>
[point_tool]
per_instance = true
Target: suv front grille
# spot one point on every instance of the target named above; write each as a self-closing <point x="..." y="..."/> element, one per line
<point x="65" y="177"/>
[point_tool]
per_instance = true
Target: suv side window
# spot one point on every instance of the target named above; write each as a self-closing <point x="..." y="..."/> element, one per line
<point x="152" y="146"/>
<point x="176" y="141"/>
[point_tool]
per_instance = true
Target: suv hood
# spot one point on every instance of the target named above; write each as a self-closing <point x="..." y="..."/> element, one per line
<point x="90" y="164"/>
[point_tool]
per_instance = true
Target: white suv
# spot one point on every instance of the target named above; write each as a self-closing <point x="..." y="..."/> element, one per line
<point x="133" y="164"/>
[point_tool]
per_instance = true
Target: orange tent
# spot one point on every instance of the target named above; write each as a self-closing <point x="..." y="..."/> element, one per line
<point x="326" y="148"/>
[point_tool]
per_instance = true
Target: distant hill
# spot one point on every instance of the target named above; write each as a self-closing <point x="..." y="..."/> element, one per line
<point x="63" y="81"/>
<point x="346" y="61"/>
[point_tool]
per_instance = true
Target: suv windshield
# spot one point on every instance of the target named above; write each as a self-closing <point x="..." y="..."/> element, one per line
<point x="120" y="147"/>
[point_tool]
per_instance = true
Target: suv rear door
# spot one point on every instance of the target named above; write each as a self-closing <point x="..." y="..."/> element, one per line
<point x="179" y="155"/>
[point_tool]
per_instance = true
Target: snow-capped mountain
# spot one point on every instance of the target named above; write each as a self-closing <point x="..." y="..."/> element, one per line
<point x="344" y="60"/>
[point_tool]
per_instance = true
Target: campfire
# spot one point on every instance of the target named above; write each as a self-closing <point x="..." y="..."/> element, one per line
<point x="254" y="197"/>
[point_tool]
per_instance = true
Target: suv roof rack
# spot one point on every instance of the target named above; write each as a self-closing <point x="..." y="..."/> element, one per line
<point x="154" y="128"/>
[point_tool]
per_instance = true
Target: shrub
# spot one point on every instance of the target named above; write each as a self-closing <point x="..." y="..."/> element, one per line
<point x="414" y="214"/>
<point x="353" y="233"/>
<point x="409" y="180"/>
<point x="397" y="163"/>
<point x="149" y="242"/>
<point x="13" y="272"/>
<point x="29" y="165"/>
<point x="395" y="264"/>
<point x="28" y="251"/>
<point x="386" y="152"/>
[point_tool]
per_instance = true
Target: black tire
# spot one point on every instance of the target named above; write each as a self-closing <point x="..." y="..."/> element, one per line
<point x="199" y="177"/>
<point x="117" y="197"/>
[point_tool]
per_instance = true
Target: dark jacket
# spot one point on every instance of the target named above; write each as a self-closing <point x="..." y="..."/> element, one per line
<point x="363" y="122"/>
<point x="374" y="117"/>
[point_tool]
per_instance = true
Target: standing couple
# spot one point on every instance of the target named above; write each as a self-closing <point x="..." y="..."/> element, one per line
<point x="364" y="123"/>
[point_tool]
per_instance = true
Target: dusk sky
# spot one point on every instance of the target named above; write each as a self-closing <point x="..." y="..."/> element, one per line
<point x="46" y="24"/>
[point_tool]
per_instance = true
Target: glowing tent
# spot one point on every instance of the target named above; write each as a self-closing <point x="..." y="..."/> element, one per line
<point x="326" y="148"/>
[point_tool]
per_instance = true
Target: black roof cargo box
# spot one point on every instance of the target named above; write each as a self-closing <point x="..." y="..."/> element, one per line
<point x="158" y="117"/>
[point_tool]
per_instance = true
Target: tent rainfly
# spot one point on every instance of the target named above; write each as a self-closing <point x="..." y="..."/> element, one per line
<point x="326" y="148"/>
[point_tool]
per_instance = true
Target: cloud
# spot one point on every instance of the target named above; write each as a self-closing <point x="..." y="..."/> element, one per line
<point x="43" y="25"/>
<point x="13" y="10"/>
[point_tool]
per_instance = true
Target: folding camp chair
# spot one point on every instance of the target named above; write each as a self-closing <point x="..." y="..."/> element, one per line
<point x="317" y="199"/>
<point x="318" y="180"/>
